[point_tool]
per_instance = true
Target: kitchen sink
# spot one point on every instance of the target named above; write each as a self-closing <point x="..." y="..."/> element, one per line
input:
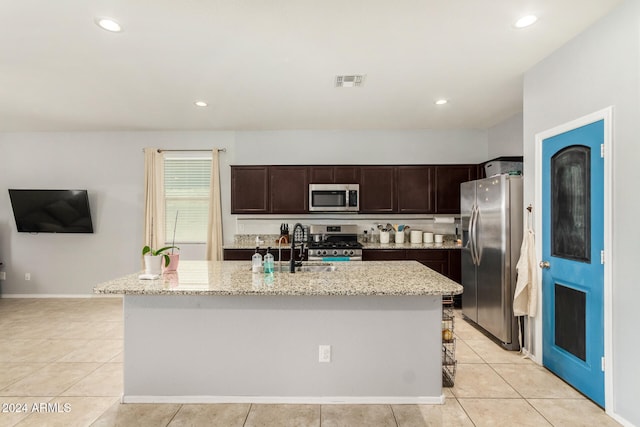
<point x="316" y="268"/>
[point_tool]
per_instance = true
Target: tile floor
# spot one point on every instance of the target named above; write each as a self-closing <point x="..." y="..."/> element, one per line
<point x="61" y="360"/>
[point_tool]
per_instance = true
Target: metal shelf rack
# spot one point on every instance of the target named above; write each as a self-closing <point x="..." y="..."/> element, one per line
<point x="448" y="343"/>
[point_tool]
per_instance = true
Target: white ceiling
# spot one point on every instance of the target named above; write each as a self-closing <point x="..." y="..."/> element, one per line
<point x="271" y="64"/>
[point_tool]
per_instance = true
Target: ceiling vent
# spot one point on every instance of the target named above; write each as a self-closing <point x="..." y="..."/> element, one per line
<point x="355" y="80"/>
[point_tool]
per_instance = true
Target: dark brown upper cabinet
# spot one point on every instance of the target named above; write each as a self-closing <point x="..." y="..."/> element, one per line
<point x="415" y="189"/>
<point x="378" y="189"/>
<point x="408" y="189"/>
<point x="249" y="189"/>
<point x="448" y="180"/>
<point x="321" y="175"/>
<point x="334" y="175"/>
<point x="289" y="189"/>
<point x="347" y="174"/>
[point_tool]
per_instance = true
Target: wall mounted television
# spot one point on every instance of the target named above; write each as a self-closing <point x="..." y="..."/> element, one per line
<point x="51" y="211"/>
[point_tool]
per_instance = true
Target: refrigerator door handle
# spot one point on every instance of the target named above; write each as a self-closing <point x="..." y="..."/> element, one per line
<point x="472" y="234"/>
<point x="476" y="249"/>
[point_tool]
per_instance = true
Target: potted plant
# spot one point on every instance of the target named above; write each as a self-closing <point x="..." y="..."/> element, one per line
<point x="157" y="260"/>
<point x="153" y="259"/>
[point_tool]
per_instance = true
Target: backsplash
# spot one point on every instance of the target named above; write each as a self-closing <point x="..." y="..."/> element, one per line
<point x="263" y="226"/>
<point x="249" y="240"/>
<point x="267" y="229"/>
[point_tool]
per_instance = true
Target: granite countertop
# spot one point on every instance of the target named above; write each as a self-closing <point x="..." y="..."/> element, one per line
<point x="392" y="278"/>
<point x="369" y="245"/>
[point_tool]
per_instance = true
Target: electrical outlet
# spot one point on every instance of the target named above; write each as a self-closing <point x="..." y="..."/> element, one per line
<point x="27" y="276"/>
<point x="3" y="275"/>
<point x="324" y="353"/>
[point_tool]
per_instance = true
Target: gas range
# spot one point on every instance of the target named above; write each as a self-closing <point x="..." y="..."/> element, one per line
<point x="334" y="243"/>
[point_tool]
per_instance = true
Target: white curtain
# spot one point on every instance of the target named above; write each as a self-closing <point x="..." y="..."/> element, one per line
<point x="214" y="229"/>
<point x="153" y="199"/>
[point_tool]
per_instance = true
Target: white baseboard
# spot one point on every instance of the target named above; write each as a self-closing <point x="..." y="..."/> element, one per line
<point x="8" y="296"/>
<point x="620" y="419"/>
<point x="295" y="400"/>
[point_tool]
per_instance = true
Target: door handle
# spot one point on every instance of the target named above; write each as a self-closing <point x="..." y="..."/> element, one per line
<point x="476" y="252"/>
<point x="472" y="235"/>
<point x="545" y="265"/>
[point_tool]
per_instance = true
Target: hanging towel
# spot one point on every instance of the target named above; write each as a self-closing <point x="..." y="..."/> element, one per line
<point x="525" y="298"/>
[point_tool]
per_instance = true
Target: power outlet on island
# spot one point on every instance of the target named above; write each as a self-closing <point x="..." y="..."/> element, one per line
<point x="3" y="275"/>
<point x="324" y="353"/>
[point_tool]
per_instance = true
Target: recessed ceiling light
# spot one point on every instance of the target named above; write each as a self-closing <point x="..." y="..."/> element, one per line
<point x="201" y="104"/>
<point x="108" y="24"/>
<point x="441" y="101"/>
<point x="525" y="21"/>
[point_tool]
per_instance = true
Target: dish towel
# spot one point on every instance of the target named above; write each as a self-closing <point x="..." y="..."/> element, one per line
<point x="525" y="302"/>
<point x="525" y="299"/>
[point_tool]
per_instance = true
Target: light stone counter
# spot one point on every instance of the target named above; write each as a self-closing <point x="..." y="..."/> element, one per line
<point x="396" y="278"/>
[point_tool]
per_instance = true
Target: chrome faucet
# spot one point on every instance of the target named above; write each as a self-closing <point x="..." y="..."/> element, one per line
<point x="296" y="237"/>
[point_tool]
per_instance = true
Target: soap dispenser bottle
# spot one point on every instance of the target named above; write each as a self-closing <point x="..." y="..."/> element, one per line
<point x="268" y="262"/>
<point x="256" y="262"/>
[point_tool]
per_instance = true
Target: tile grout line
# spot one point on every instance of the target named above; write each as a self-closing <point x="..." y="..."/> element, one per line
<point x="246" y="417"/>
<point x="174" y="415"/>
<point x="465" y="411"/>
<point x="393" y="413"/>
<point x="520" y="394"/>
<point x="80" y="379"/>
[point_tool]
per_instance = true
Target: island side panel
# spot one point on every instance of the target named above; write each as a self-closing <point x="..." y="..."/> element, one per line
<point x="265" y="348"/>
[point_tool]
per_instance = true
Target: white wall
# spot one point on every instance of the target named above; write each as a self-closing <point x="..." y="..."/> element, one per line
<point x="110" y="166"/>
<point x="505" y="138"/>
<point x="599" y="68"/>
<point x="361" y="147"/>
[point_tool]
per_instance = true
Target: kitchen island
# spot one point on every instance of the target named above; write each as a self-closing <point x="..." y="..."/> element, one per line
<point x="215" y="332"/>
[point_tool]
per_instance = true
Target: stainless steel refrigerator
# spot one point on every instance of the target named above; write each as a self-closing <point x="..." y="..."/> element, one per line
<point x="491" y="215"/>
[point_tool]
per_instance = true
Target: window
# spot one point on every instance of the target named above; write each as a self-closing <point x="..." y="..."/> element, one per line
<point x="186" y="191"/>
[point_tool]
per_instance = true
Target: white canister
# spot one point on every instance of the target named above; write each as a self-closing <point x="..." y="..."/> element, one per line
<point x="427" y="237"/>
<point x="416" y="236"/>
<point x="400" y="237"/>
<point x="438" y="238"/>
<point x="384" y="237"/>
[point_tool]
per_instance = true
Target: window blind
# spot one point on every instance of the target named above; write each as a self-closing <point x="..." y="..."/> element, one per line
<point x="186" y="190"/>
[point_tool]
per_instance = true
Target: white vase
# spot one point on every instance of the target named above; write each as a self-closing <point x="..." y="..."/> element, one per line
<point x="153" y="264"/>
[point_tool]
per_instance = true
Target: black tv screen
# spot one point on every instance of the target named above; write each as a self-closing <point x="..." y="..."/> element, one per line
<point x="51" y="211"/>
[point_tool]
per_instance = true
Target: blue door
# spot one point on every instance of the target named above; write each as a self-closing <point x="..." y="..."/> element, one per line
<point x="573" y="270"/>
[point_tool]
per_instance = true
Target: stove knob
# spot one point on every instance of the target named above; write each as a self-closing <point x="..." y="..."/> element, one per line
<point x="345" y="252"/>
<point x="335" y="252"/>
<point x="351" y="252"/>
<point x="324" y="252"/>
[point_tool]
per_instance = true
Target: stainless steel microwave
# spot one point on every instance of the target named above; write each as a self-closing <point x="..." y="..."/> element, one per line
<point x="334" y="197"/>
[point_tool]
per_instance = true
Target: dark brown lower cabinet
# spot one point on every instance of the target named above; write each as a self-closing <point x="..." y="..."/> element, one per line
<point x="383" y="254"/>
<point x="435" y="259"/>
